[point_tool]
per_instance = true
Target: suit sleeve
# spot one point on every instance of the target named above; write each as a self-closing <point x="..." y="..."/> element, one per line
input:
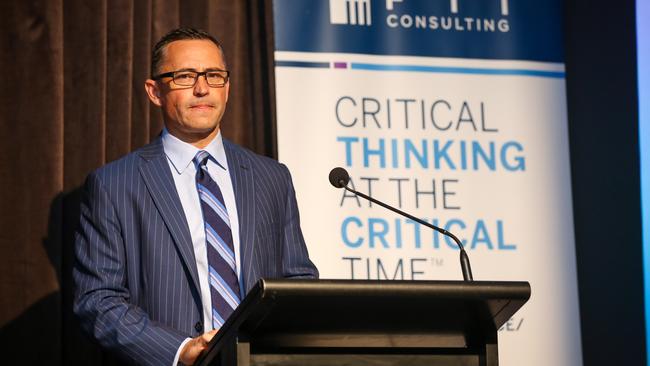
<point x="295" y="258"/>
<point x="101" y="296"/>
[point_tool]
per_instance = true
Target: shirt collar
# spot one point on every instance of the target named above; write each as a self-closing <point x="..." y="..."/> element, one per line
<point x="181" y="153"/>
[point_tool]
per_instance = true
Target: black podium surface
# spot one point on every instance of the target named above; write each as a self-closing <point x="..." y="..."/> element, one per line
<point x="341" y="322"/>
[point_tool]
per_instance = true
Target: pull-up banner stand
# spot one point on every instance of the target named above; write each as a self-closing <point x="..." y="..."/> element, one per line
<point x="453" y="111"/>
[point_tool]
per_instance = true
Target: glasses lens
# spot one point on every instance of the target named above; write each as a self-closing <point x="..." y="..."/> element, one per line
<point x="185" y="78"/>
<point x="217" y="78"/>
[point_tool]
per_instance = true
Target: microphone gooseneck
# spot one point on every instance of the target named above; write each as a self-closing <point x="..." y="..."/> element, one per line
<point x="340" y="178"/>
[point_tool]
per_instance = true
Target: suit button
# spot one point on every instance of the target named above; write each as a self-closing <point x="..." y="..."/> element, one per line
<point x="199" y="327"/>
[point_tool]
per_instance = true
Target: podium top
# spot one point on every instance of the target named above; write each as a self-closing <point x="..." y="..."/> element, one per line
<point x="298" y="309"/>
<point x="401" y="304"/>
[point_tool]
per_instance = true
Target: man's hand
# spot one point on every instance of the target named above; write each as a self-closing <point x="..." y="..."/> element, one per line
<point x="194" y="347"/>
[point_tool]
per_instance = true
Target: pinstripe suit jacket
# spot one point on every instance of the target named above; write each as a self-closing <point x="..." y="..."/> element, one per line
<point x="137" y="290"/>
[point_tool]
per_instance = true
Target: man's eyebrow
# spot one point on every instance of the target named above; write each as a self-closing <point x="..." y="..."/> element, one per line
<point x="186" y="69"/>
<point x="195" y="70"/>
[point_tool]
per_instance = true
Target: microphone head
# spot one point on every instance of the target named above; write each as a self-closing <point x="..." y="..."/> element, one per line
<point x="339" y="177"/>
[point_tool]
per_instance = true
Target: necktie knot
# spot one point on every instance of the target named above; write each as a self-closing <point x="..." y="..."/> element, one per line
<point x="201" y="158"/>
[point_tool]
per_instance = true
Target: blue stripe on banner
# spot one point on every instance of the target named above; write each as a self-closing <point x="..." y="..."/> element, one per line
<point x="322" y="65"/>
<point x="457" y="70"/>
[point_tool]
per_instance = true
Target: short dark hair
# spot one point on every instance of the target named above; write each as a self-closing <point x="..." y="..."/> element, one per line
<point x="179" y="34"/>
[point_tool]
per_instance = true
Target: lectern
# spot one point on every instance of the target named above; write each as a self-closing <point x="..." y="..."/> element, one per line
<point x="346" y="322"/>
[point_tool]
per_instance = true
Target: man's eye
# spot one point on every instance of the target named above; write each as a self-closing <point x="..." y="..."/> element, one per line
<point x="215" y="75"/>
<point x="185" y="76"/>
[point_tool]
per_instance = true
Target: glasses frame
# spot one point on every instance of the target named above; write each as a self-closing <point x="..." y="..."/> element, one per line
<point x="172" y="74"/>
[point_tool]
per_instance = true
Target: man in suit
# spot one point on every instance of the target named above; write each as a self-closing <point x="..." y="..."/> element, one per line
<point x="173" y="235"/>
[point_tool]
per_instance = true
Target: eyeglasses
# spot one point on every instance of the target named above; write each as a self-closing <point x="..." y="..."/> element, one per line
<point x="214" y="78"/>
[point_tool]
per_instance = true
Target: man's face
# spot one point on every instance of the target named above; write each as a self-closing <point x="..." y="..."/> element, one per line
<point x="190" y="113"/>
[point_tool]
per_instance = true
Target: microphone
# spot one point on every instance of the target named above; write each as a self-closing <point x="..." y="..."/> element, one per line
<point x="340" y="178"/>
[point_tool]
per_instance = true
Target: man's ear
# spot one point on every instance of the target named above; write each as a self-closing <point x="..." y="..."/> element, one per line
<point x="153" y="91"/>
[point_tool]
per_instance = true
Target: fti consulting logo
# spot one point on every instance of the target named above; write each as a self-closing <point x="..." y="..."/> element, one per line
<point x="435" y="15"/>
<point x="354" y="12"/>
<point x="453" y="18"/>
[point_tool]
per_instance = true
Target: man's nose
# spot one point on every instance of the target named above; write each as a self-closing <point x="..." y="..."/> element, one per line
<point x="201" y="87"/>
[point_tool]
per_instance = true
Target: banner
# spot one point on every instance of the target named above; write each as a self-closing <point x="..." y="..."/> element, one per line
<point x="453" y="111"/>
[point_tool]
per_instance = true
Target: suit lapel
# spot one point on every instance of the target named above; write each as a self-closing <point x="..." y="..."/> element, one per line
<point x="157" y="177"/>
<point x="241" y="173"/>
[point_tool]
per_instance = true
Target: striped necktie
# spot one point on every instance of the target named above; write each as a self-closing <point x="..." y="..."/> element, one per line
<point x="224" y="286"/>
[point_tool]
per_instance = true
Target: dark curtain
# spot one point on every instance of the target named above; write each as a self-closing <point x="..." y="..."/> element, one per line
<point x="72" y="99"/>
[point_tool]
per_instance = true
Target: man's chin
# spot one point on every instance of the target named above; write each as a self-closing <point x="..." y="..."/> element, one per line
<point x="196" y="129"/>
<point x="204" y="131"/>
<point x="202" y="125"/>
